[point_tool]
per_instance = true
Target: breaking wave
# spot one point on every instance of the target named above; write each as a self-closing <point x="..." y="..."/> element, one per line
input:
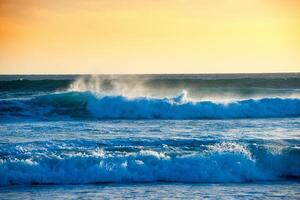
<point x="220" y="162"/>
<point x="96" y="106"/>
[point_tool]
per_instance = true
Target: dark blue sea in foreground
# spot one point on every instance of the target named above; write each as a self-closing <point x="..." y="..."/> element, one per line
<point x="150" y="137"/>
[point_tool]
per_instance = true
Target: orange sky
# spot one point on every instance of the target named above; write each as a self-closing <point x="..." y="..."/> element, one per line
<point x="153" y="36"/>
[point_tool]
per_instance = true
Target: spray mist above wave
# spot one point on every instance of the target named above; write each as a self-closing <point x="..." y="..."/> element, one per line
<point x="219" y="90"/>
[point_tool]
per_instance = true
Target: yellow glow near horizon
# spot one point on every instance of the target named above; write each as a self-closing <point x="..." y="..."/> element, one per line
<point x="153" y="36"/>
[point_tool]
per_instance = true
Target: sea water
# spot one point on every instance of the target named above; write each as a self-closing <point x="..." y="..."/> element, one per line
<point x="150" y="136"/>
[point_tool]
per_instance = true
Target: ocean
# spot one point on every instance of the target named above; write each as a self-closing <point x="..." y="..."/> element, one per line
<point x="199" y="136"/>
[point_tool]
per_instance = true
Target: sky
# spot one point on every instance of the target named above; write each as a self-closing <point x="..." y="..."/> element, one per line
<point x="149" y="36"/>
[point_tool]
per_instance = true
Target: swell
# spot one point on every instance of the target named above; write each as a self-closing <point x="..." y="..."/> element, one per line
<point x="166" y="82"/>
<point x="54" y="163"/>
<point x="74" y="105"/>
<point x="34" y="85"/>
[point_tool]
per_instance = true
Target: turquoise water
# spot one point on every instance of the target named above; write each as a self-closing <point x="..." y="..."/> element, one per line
<point x="219" y="138"/>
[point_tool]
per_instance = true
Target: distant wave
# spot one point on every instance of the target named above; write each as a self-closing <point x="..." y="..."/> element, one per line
<point x="90" y="105"/>
<point x="219" y="162"/>
<point x="49" y="83"/>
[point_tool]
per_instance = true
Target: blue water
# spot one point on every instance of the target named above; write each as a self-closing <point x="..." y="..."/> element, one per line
<point x="219" y="138"/>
